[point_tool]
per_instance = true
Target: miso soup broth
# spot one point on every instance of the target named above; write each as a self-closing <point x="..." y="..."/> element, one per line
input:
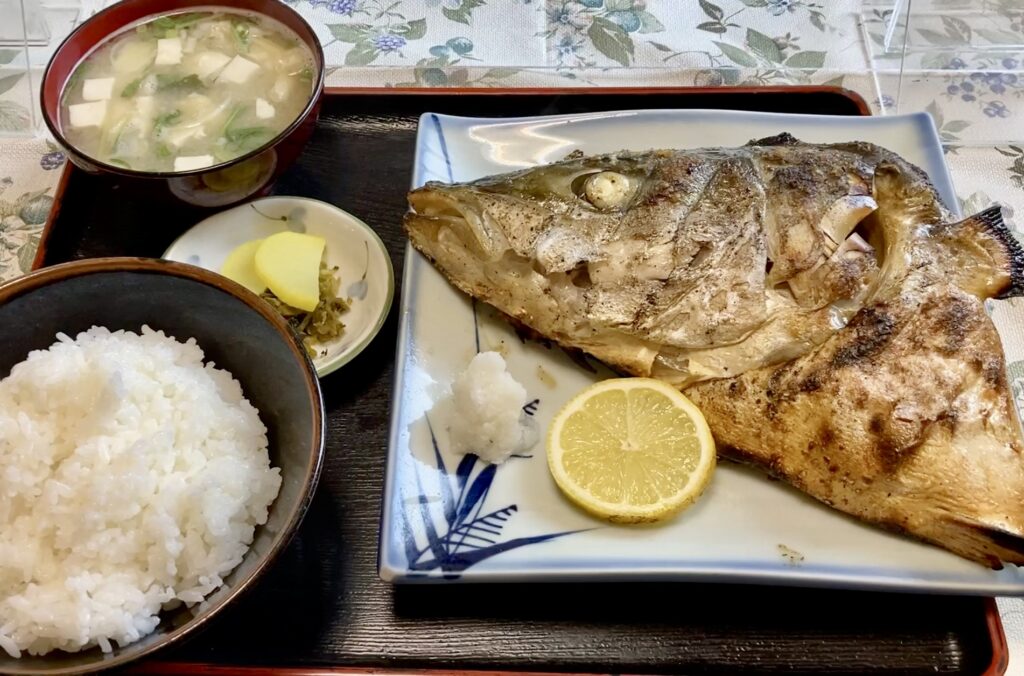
<point x="187" y="90"/>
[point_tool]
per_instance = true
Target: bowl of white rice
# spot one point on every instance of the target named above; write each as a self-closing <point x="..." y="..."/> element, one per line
<point x="161" y="436"/>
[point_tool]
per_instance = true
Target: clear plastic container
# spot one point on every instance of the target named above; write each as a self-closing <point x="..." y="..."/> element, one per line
<point x="962" y="60"/>
<point x="29" y="31"/>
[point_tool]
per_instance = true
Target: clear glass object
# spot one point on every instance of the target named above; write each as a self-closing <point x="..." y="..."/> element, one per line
<point x="959" y="59"/>
<point x="29" y="32"/>
<point x="21" y="26"/>
<point x="22" y="23"/>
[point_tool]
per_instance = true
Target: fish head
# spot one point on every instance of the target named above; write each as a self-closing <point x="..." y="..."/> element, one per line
<point x="708" y="261"/>
<point x="521" y="213"/>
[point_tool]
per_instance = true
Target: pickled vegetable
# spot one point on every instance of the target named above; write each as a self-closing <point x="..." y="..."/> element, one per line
<point x="240" y="266"/>
<point x="289" y="262"/>
<point x="324" y="323"/>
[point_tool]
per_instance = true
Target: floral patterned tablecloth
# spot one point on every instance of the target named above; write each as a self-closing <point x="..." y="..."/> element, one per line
<point x="962" y="60"/>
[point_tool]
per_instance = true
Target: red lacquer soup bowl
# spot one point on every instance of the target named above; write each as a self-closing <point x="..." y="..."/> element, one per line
<point x="216" y="185"/>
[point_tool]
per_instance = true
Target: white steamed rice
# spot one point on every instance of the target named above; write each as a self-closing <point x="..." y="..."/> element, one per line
<point x="132" y="478"/>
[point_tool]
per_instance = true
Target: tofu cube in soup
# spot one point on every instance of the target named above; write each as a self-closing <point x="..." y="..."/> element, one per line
<point x="98" y="88"/>
<point x="191" y="163"/>
<point x="264" y="110"/>
<point x="186" y="90"/>
<point x="168" y="52"/>
<point x="179" y="136"/>
<point x="238" y="71"/>
<point x="281" y="89"/>
<point x="88" y="114"/>
<point x="210" y="63"/>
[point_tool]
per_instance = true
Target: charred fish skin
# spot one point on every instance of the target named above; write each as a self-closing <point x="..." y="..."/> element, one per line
<point x="903" y="419"/>
<point x="818" y="302"/>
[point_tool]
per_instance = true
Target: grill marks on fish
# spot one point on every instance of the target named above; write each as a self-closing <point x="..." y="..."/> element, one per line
<point x="910" y="405"/>
<point x="816" y="301"/>
<point x="869" y="332"/>
<point x="955" y="317"/>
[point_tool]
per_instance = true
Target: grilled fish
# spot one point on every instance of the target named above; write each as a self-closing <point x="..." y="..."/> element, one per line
<point x="818" y="302"/>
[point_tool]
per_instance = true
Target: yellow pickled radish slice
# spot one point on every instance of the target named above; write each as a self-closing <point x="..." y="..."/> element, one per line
<point x="631" y="450"/>
<point x="289" y="263"/>
<point x="240" y="266"/>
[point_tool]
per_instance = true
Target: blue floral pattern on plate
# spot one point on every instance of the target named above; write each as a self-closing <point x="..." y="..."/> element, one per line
<point x="471" y="533"/>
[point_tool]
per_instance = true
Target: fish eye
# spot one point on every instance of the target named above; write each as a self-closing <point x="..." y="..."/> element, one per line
<point x="579" y="184"/>
<point x="603" y="189"/>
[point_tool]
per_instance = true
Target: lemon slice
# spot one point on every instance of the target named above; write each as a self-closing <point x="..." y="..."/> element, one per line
<point x="631" y="450"/>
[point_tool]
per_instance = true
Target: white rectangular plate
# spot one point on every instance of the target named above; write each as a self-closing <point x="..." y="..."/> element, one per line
<point x="446" y="518"/>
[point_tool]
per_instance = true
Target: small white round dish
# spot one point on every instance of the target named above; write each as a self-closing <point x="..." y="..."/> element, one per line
<point x="364" y="266"/>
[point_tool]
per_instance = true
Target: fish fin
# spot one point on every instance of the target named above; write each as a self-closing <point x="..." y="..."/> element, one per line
<point x="783" y="139"/>
<point x="995" y="268"/>
<point x="992" y="220"/>
<point x="986" y="544"/>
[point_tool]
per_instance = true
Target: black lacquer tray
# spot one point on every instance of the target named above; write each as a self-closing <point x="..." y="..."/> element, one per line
<point x="322" y="607"/>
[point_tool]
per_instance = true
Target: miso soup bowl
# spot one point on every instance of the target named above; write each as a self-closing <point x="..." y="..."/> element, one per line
<point x="220" y="184"/>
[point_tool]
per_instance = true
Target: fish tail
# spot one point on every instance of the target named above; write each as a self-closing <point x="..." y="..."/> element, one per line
<point x="986" y="235"/>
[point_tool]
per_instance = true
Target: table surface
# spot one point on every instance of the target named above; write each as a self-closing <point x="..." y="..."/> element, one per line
<point x="955" y="69"/>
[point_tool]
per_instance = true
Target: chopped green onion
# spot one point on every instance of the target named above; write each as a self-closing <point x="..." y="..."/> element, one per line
<point x="247" y="138"/>
<point x="72" y="82"/>
<point x="165" y="120"/>
<point x="170" y="25"/>
<point x="166" y="82"/>
<point x="240" y="31"/>
<point x="235" y="112"/>
<point x="239" y="135"/>
<point x="242" y="138"/>
<point x="131" y="88"/>
<point x="163" y="23"/>
<point x="116" y="144"/>
<point x="223" y="154"/>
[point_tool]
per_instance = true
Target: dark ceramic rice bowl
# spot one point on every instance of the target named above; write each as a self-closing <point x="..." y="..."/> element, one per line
<point x="237" y="331"/>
